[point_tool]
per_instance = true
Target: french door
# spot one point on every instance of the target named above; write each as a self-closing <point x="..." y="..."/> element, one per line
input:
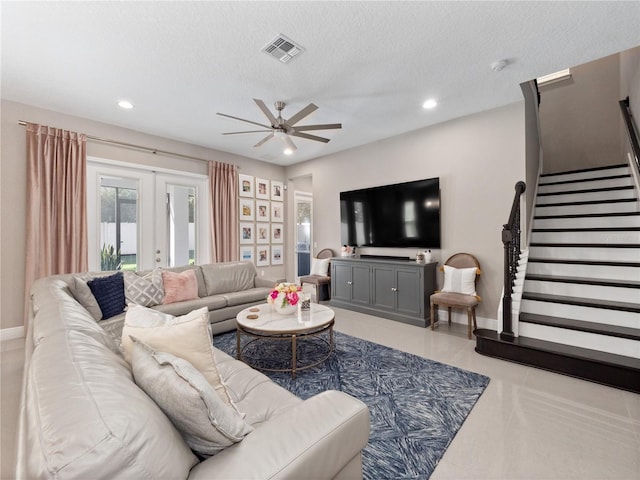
<point x="303" y="232"/>
<point x="139" y="219"/>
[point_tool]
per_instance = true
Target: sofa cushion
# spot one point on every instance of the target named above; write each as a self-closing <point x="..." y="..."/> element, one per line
<point x="179" y="287"/>
<point x="213" y="302"/>
<point x="207" y="424"/>
<point x="82" y="293"/>
<point x="228" y="277"/>
<point x="109" y="293"/>
<point x="188" y="337"/>
<point x="144" y="289"/>
<point x="246" y="296"/>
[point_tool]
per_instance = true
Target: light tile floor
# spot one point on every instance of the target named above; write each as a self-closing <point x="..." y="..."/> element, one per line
<point x="528" y="424"/>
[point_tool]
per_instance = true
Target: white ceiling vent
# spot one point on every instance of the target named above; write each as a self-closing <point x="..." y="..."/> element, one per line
<point x="283" y="48"/>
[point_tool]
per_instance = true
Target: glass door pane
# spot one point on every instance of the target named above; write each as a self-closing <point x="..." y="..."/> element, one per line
<point x="303" y="211"/>
<point x="118" y="237"/>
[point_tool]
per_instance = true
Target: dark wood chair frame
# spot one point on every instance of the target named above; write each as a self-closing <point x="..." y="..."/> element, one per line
<point x="318" y="280"/>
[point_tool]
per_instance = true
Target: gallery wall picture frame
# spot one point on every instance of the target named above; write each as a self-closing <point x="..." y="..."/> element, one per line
<point x="277" y="212"/>
<point x="246" y="254"/>
<point x="277" y="191"/>
<point x="263" y="211"/>
<point x="262" y="188"/>
<point x="277" y="233"/>
<point x="262" y="233"/>
<point x="245" y="185"/>
<point x="246" y="209"/>
<point x="247" y="233"/>
<point x="277" y="255"/>
<point x="262" y="256"/>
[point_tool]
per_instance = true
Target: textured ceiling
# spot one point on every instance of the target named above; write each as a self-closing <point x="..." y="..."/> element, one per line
<point x="368" y="65"/>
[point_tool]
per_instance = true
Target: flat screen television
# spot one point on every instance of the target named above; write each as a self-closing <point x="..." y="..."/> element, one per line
<point x="400" y="215"/>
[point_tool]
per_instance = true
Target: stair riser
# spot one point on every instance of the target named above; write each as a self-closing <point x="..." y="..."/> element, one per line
<point x="586" y="209"/>
<point x="589" y="184"/>
<point x="588" y="222"/>
<point x="582" y="253"/>
<point x="607" y="237"/>
<point x="588" y="314"/>
<point x="586" y="197"/>
<point x="593" y="341"/>
<point x="585" y="271"/>
<point x="595" y="292"/>
<point x="585" y="175"/>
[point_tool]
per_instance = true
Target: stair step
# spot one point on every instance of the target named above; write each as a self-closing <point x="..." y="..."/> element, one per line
<point x="582" y="326"/>
<point x="583" y="174"/>
<point x="583" y="262"/>
<point x="579" y="236"/>
<point x="606" y="368"/>
<point x="579" y="290"/>
<point x="629" y="205"/>
<point x="587" y="251"/>
<point x="589" y="215"/>
<point x="585" y="281"/>
<point x="599" y="182"/>
<point x="605" y="195"/>
<point x="629" y="220"/>
<point x="583" y="302"/>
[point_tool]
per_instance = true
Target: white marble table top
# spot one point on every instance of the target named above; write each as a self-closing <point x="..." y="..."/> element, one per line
<point x="269" y="321"/>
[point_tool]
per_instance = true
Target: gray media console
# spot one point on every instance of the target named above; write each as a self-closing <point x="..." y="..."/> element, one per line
<point x="394" y="289"/>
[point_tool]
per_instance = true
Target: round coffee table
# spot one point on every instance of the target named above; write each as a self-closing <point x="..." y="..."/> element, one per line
<point x="260" y="323"/>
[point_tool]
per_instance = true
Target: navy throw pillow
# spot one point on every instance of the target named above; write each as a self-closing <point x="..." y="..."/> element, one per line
<point x="109" y="293"/>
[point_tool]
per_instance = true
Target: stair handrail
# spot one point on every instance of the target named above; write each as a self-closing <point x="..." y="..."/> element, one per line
<point x="631" y="131"/>
<point x="511" y="240"/>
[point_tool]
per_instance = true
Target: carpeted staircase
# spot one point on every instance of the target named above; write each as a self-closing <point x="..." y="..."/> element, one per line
<point x="580" y="306"/>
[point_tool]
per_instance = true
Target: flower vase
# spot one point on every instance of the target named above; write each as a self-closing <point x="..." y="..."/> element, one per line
<point x="287" y="309"/>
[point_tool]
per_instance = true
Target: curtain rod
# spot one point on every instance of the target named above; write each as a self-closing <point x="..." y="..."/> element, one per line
<point x="154" y="151"/>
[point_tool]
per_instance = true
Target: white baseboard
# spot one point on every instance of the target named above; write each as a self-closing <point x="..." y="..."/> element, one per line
<point x="11" y="333"/>
<point x="459" y="317"/>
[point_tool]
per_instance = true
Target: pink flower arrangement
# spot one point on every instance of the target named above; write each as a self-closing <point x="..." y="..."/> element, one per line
<point x="287" y="293"/>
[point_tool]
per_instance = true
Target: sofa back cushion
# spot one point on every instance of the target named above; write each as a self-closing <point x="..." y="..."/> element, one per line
<point x="228" y="277"/>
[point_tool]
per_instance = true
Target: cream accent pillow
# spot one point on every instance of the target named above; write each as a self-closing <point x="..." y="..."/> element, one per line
<point x="320" y="266"/>
<point x="459" y="280"/>
<point x="207" y="424"/>
<point x="82" y="293"/>
<point x="187" y="337"/>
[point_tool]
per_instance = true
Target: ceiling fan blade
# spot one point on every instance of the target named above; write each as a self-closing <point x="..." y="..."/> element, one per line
<point x="248" y="131"/>
<point x="302" y="113"/>
<point x="243" y="120"/>
<point x="268" y="137"/>
<point x="310" y="137"/>
<point x="266" y="111"/>
<point x="288" y="142"/>
<point x="326" y="126"/>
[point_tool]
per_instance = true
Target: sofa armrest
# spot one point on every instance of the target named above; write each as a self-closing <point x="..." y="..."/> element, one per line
<point x="315" y="439"/>
<point x="268" y="282"/>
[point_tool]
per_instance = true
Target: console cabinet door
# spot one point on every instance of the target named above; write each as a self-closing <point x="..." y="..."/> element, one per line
<point x="360" y="288"/>
<point x="409" y="291"/>
<point x="341" y="280"/>
<point x="384" y="286"/>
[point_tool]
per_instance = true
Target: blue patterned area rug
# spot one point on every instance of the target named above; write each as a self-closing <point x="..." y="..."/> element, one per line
<point x="417" y="405"/>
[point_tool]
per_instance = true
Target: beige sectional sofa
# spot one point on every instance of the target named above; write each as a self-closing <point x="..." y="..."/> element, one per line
<point x="83" y="416"/>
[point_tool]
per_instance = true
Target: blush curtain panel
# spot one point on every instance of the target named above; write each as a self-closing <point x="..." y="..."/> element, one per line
<point x="56" y="202"/>
<point x="224" y="221"/>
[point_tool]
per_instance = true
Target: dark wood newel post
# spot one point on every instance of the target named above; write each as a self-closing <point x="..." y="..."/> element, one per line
<point x="511" y="242"/>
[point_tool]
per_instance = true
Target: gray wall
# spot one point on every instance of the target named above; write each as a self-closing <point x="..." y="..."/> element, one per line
<point x="478" y="158"/>
<point x="580" y="118"/>
<point x="13" y="183"/>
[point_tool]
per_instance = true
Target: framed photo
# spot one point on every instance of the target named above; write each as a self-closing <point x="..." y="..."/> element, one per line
<point x="262" y="256"/>
<point x="247" y="233"/>
<point x="277" y="191"/>
<point x="262" y="233"/>
<point x="245" y="185"/>
<point x="276" y="255"/>
<point x="277" y="233"/>
<point x="262" y="188"/>
<point x="277" y="212"/>
<point x="263" y="213"/>
<point x="246" y="209"/>
<point x="246" y="254"/>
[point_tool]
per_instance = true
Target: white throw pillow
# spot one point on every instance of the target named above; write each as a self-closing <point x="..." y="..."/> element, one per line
<point x="207" y="424"/>
<point x="320" y="266"/>
<point x="188" y="337"/>
<point x="460" y="280"/>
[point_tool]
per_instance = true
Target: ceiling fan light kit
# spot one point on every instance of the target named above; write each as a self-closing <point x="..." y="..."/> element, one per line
<point x="282" y="128"/>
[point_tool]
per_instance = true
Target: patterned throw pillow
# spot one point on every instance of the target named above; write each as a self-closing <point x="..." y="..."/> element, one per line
<point x="207" y="423"/>
<point x="109" y="293"/>
<point x="145" y="290"/>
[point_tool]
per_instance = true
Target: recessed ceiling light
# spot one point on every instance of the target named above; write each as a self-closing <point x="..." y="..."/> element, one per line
<point x="431" y="103"/>
<point x="288" y="151"/>
<point x="127" y="105"/>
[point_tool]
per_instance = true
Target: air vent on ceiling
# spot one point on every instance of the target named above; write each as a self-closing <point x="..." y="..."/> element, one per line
<point x="283" y="49"/>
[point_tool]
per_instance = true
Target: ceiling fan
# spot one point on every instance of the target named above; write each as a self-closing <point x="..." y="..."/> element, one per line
<point x="284" y="129"/>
